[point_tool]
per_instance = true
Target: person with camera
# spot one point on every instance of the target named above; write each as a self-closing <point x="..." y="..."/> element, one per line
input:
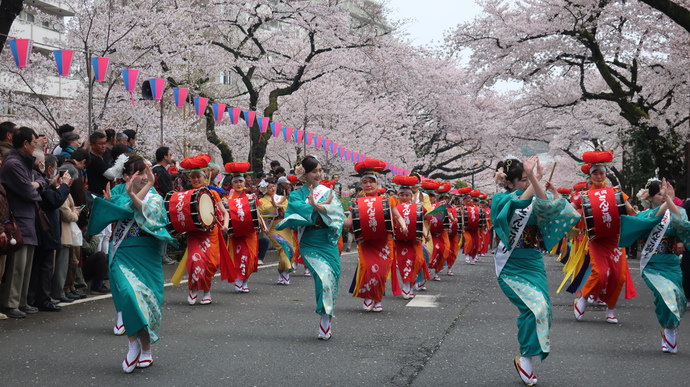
<point x="56" y="189"/>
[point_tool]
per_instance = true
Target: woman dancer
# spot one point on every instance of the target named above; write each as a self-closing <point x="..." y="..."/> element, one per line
<point x="318" y="216"/>
<point x="375" y="254"/>
<point x="206" y="250"/>
<point x="408" y="250"/>
<point x="139" y="238"/>
<point x="272" y="209"/>
<point x="243" y="244"/>
<point x="519" y="215"/>
<point x="609" y="263"/>
<point x="664" y="224"/>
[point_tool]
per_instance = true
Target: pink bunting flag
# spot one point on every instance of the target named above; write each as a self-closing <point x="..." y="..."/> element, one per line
<point x="310" y="138"/>
<point x="100" y="67"/>
<point x="335" y="148"/>
<point x="263" y="123"/>
<point x="63" y="60"/>
<point x="234" y="114"/>
<point x="249" y="118"/>
<point x="130" y="77"/>
<point x="319" y="139"/>
<point x="157" y="88"/>
<point x="21" y="51"/>
<point x="276" y="128"/>
<point x="300" y="135"/>
<point x="288" y="133"/>
<point x="327" y="147"/>
<point x="218" y="110"/>
<point x="180" y="94"/>
<point x="200" y="105"/>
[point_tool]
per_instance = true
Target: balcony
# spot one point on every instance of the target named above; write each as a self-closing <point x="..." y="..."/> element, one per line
<point x="54" y="86"/>
<point x="51" y="7"/>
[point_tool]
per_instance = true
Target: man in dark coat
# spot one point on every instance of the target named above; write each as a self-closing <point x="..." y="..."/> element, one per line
<point x="54" y="194"/>
<point x="16" y="175"/>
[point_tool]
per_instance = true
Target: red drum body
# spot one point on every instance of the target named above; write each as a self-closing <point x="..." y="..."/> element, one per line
<point x="191" y="210"/>
<point x="602" y="209"/>
<point x="244" y="216"/>
<point x="472" y="216"/>
<point x="371" y="218"/>
<point x="414" y="218"/>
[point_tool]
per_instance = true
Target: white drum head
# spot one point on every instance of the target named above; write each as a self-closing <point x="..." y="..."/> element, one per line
<point x="206" y="210"/>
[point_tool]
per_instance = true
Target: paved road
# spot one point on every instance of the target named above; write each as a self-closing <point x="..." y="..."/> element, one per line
<point x="463" y="334"/>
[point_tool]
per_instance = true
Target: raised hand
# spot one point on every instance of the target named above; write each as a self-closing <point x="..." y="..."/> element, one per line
<point x="106" y="192"/>
<point x="551" y="188"/>
<point x="663" y="189"/>
<point x="330" y="198"/>
<point x="310" y="198"/>
<point x="529" y="164"/>
<point x="540" y="170"/>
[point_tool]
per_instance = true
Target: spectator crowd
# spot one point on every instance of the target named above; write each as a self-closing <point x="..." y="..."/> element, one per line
<point x="46" y="259"/>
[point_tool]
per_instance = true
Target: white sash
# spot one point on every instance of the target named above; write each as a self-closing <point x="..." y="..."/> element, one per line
<point x="517" y="226"/>
<point x="654" y="239"/>
<point x="119" y="233"/>
<point x="122" y="228"/>
<point x="319" y="191"/>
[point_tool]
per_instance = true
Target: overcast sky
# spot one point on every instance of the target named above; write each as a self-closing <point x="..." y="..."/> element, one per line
<point x="430" y="18"/>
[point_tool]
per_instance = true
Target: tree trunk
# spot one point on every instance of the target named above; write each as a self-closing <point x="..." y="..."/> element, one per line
<point x="9" y="10"/>
<point x="212" y="137"/>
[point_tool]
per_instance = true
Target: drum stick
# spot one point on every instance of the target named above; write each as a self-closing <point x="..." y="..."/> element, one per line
<point x="553" y="170"/>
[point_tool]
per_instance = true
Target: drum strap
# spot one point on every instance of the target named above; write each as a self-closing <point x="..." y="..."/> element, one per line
<point x="517" y="225"/>
<point x="654" y="239"/>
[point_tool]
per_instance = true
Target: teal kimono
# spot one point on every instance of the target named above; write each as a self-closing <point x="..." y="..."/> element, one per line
<point x="136" y="273"/>
<point x="522" y="276"/>
<point x="661" y="272"/>
<point x="318" y="242"/>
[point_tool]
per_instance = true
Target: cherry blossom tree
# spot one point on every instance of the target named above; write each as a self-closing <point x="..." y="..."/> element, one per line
<point x="615" y="56"/>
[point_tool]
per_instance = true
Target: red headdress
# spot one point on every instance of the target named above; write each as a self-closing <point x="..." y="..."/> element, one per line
<point x="430" y="185"/>
<point x="565" y="191"/>
<point x="598" y="157"/>
<point x="464" y="190"/>
<point x="237" y="169"/>
<point x="370" y="167"/>
<point x="328" y="183"/>
<point x="195" y="163"/>
<point x="405" y="181"/>
<point x="293" y="179"/>
<point x="381" y="191"/>
<point x="580" y="186"/>
<point x="443" y="188"/>
<point x="475" y="193"/>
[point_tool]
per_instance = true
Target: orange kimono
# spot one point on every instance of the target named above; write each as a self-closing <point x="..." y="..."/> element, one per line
<point x="244" y="250"/>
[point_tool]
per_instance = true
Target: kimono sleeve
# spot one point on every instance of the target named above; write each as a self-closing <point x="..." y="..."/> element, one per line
<point x="554" y="218"/>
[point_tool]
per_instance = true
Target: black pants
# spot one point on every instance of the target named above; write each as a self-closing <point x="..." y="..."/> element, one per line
<point x="263" y="247"/>
<point x="40" y="284"/>
<point x="685" y="268"/>
<point x="95" y="269"/>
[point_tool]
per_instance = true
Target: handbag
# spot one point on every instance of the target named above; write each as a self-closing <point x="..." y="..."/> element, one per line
<point x="13" y="233"/>
<point x="42" y="219"/>
<point x="77" y="237"/>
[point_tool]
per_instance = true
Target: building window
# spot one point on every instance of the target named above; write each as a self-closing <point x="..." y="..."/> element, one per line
<point x="26" y="17"/>
<point x="225" y="77"/>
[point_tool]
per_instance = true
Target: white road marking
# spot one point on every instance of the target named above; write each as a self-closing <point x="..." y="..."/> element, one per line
<point x="167" y="284"/>
<point x="423" y="301"/>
